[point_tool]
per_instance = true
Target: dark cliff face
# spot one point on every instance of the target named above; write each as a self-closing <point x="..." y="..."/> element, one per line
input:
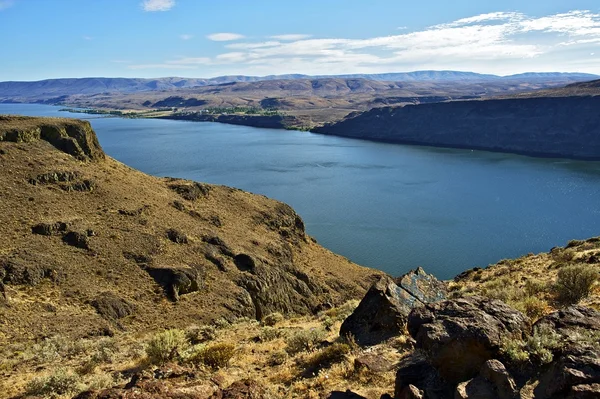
<point x="554" y="127"/>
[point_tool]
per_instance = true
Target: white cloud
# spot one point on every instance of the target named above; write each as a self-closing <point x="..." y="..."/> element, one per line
<point x="501" y="42"/>
<point x="225" y="37"/>
<point x="290" y="37"/>
<point x="186" y="36"/>
<point x="87" y="38"/>
<point x="158" y="5"/>
<point x="4" y="4"/>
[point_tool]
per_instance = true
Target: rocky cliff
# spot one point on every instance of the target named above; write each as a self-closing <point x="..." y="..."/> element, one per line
<point x="566" y="127"/>
<point x="90" y="246"/>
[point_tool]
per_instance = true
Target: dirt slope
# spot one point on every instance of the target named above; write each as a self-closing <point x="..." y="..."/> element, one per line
<point x="90" y="246"/>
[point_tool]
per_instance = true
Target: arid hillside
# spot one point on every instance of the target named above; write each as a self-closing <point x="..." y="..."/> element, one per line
<point x="89" y="246"/>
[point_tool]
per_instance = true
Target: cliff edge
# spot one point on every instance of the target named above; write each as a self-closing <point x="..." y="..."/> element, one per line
<point x="562" y="127"/>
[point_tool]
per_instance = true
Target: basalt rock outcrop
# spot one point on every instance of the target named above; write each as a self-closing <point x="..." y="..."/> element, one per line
<point x="461" y="352"/>
<point x="75" y="137"/>
<point x="547" y="126"/>
<point x="383" y="312"/>
<point x="460" y="335"/>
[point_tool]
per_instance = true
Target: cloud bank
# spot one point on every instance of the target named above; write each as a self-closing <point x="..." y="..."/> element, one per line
<point x="500" y="42"/>
<point x="158" y="5"/>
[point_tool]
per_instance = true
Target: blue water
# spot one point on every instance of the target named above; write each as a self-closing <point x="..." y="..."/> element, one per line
<point x="391" y="207"/>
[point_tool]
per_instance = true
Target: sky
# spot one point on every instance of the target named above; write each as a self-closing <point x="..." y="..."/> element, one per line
<point x="44" y="39"/>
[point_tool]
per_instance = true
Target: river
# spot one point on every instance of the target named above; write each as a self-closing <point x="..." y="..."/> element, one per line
<point x="390" y="207"/>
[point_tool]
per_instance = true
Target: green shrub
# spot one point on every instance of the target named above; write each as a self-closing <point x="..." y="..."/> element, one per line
<point x="342" y="312"/>
<point x="538" y="348"/>
<point x="215" y="356"/>
<point x="272" y="319"/>
<point x="166" y="346"/>
<point x="532" y="306"/>
<point x="574" y="283"/>
<point x="62" y="382"/>
<point x="328" y="323"/>
<point x="277" y="358"/>
<point x="328" y="356"/>
<point x="304" y="340"/>
<point x="533" y="287"/>
<point x="269" y="334"/>
<point x="196" y="335"/>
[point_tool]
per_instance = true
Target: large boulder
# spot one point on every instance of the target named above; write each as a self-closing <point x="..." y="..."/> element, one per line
<point x="460" y="335"/>
<point x="577" y="367"/>
<point x="177" y="280"/>
<point x="416" y="375"/>
<point x="383" y="312"/>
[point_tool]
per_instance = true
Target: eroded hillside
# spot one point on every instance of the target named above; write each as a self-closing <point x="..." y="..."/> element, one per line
<point x="90" y="246"/>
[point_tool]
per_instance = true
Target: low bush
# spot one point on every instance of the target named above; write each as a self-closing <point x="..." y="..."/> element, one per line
<point x="215" y="356"/>
<point x="61" y="382"/>
<point x="166" y="346"/>
<point x="269" y="334"/>
<point x="574" y="283"/>
<point x="327" y="357"/>
<point x="304" y="340"/>
<point x="537" y="349"/>
<point x="272" y="319"/>
<point x="277" y="358"/>
<point x="199" y="334"/>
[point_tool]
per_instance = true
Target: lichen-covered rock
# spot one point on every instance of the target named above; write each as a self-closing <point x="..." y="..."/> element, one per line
<point x="460" y="335"/>
<point x="425" y="287"/>
<point x="382" y="313"/>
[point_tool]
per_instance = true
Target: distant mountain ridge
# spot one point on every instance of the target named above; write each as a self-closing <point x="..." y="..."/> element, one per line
<point x="69" y="86"/>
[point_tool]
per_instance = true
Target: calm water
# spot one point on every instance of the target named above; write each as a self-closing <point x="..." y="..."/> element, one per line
<point x="391" y="207"/>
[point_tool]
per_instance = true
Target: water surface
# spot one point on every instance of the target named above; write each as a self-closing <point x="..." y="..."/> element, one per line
<point x="387" y="206"/>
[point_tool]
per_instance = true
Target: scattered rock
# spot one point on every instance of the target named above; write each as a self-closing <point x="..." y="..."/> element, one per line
<point x="191" y="191"/>
<point x="460" y="335"/>
<point x="383" y="312"/>
<point x="48" y="229"/>
<point x="111" y="307"/>
<point x="503" y="383"/>
<point x="373" y="362"/>
<point x="177" y="236"/>
<point x="565" y="321"/>
<point x="578" y="365"/>
<point x="417" y="371"/>
<point x="180" y="206"/>
<point x="67" y="181"/>
<point x="77" y="239"/>
<point x="217" y="242"/>
<point x="410" y="392"/>
<point x="591" y="391"/>
<point x="177" y="281"/>
<point x="345" y="395"/>
<point x="285" y="221"/>
<point x="244" y="263"/>
<point x="476" y="388"/>
<point x="245" y="389"/>
<point x="25" y="268"/>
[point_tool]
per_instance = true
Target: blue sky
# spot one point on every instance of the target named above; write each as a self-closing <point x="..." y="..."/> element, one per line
<point x="44" y="39"/>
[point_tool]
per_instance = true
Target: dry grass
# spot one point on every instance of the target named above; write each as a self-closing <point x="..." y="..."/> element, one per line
<point x="536" y="284"/>
<point x="235" y="351"/>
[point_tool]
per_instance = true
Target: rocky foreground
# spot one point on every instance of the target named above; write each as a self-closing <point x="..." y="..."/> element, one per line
<point x="116" y="284"/>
